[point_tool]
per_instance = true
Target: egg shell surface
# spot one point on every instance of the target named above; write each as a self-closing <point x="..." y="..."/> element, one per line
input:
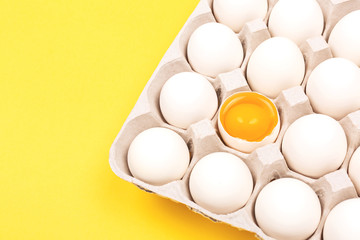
<point x="333" y="88"/>
<point x="221" y="183"/>
<point x="187" y="98"/>
<point x="314" y="145"/>
<point x="304" y="19"/>
<point x="343" y="221"/>
<point x="345" y="38"/>
<point x="214" y="48"/>
<point x="275" y="65"/>
<point x="235" y="13"/>
<point x="288" y="209"/>
<point x="158" y="156"/>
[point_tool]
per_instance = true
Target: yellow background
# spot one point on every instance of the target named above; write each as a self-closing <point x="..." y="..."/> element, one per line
<point x="70" y="72"/>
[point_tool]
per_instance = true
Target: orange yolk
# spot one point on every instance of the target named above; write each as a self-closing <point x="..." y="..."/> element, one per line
<point x="249" y="116"/>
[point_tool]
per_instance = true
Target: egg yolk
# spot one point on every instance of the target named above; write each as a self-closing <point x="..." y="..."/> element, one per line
<point x="249" y="116"/>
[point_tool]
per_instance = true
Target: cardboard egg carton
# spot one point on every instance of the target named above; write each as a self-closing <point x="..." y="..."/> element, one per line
<point x="266" y="163"/>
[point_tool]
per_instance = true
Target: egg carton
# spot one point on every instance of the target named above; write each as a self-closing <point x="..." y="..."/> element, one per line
<point x="265" y="163"/>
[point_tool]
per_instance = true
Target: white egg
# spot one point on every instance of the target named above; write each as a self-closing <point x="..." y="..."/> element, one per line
<point x="158" y="156"/>
<point x="248" y="120"/>
<point x="214" y="48"/>
<point x="235" y="13"/>
<point x="297" y="20"/>
<point x="354" y="169"/>
<point x="288" y="209"/>
<point x="334" y="88"/>
<point x="343" y="221"/>
<point x="275" y="65"/>
<point x="221" y="183"/>
<point x="314" y="145"/>
<point x="187" y="98"/>
<point x="345" y="37"/>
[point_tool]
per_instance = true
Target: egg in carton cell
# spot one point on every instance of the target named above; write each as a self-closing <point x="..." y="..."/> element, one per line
<point x="266" y="163"/>
<point x="334" y="10"/>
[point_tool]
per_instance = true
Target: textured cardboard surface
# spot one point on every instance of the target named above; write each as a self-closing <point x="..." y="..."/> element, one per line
<point x="265" y="163"/>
